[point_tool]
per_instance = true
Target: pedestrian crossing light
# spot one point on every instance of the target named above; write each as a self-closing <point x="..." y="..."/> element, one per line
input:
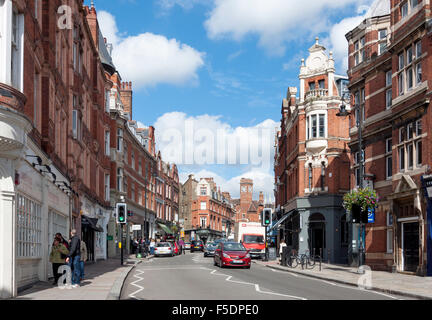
<point x="121" y="209"/>
<point x="267" y="217"/>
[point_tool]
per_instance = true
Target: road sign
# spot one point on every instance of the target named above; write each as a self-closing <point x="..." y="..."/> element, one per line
<point x="110" y="238"/>
<point x="371" y="216"/>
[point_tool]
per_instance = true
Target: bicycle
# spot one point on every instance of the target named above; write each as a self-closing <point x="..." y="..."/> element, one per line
<point x="307" y="260"/>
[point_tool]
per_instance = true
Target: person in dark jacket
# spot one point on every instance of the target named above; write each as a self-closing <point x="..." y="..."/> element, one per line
<point x="74" y="258"/>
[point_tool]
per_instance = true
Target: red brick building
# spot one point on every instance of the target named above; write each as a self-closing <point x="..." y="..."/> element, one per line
<point x="212" y="214"/>
<point x="390" y="80"/>
<point x="312" y="162"/>
<point x="247" y="209"/>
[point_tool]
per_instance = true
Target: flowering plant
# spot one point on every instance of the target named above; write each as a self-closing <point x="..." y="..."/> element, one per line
<point x="366" y="198"/>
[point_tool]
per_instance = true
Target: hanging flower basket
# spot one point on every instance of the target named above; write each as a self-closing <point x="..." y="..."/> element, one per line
<point x="366" y="198"/>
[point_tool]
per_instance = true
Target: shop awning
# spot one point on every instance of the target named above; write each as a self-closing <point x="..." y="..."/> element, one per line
<point x="277" y="224"/>
<point x="91" y="223"/>
<point x="165" y="228"/>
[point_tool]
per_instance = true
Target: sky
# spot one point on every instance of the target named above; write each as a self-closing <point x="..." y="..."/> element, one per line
<point x="210" y="75"/>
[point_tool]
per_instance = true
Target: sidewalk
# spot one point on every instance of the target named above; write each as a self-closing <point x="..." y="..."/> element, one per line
<point x="392" y="283"/>
<point x="103" y="281"/>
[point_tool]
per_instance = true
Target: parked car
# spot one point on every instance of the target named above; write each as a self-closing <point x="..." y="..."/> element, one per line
<point x="163" y="249"/>
<point x="175" y="247"/>
<point x="210" y="249"/>
<point x="197" y="245"/>
<point x="187" y="245"/>
<point x="232" y="254"/>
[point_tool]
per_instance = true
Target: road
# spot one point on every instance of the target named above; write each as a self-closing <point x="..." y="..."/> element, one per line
<point x="193" y="277"/>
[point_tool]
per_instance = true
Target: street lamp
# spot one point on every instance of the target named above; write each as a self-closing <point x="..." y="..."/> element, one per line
<point x="359" y="121"/>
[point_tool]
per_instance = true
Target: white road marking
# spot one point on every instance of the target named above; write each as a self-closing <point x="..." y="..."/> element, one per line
<point x="256" y="286"/>
<point x="132" y="295"/>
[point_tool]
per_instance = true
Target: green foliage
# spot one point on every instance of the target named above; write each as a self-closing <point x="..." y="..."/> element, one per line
<point x="366" y="198"/>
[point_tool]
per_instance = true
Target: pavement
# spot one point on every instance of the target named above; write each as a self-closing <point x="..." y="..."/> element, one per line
<point x="103" y="280"/>
<point x="381" y="281"/>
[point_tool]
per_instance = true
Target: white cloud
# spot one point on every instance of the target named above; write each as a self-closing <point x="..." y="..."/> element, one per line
<point x="274" y="21"/>
<point x="148" y="59"/>
<point x="185" y="4"/>
<point x="207" y="140"/>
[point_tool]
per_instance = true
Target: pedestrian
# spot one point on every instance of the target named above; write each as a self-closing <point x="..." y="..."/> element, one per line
<point x="152" y="246"/>
<point x="182" y="249"/>
<point x="135" y="244"/>
<point x="74" y="258"/>
<point x="83" y="251"/>
<point x="281" y="246"/>
<point x="57" y="257"/>
<point x="62" y="240"/>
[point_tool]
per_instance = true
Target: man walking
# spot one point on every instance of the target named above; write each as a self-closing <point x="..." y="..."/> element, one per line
<point x="74" y="258"/>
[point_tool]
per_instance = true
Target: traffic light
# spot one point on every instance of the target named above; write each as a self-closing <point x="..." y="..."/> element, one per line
<point x="266" y="217"/>
<point x="121" y="210"/>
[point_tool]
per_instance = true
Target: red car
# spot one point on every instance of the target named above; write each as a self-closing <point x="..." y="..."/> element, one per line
<point x="232" y="254"/>
<point x="176" y="248"/>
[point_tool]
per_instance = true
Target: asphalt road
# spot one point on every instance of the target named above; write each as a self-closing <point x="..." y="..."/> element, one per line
<point x="193" y="277"/>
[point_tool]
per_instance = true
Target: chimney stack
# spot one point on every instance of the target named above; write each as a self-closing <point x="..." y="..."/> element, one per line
<point x="126" y="97"/>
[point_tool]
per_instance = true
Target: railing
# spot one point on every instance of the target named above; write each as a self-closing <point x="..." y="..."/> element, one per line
<point x="317" y="93"/>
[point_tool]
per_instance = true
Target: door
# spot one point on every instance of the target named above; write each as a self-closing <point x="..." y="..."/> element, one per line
<point x="411" y="246"/>
<point x="56" y="224"/>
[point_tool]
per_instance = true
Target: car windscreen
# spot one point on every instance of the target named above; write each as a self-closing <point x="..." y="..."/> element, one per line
<point x="163" y="245"/>
<point x="234" y="247"/>
<point x="211" y="246"/>
<point x="196" y="243"/>
<point x="253" y="239"/>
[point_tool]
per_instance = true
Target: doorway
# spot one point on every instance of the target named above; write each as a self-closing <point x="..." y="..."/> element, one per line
<point x="317" y="234"/>
<point x="410" y="246"/>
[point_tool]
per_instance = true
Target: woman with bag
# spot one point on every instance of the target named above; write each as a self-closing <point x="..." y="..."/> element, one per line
<point x="57" y="257"/>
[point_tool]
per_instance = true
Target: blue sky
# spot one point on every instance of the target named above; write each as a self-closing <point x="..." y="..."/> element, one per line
<point x="220" y="64"/>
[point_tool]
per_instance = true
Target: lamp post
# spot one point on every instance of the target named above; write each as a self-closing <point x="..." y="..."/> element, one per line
<point x="359" y="122"/>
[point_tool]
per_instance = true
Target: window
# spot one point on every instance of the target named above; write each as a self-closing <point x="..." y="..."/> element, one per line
<point x="414" y="3"/>
<point x="410" y="78"/>
<point x="323" y="174"/>
<point x="16" y="62"/>
<point x="419" y="153"/>
<point x="401" y="61"/>
<point x="140" y="166"/>
<point x="107" y="143"/>
<point x="36" y="107"/>
<point x="203" y="205"/>
<point x="316" y="126"/>
<point x="389" y="97"/>
<point x="401" y="83"/>
<point x="203" y="191"/>
<point x="409" y="53"/>
<point x="418" y="74"/>
<point x="107" y="187"/>
<point x="203" y="222"/>
<point x="389" y="78"/>
<point x="321" y="84"/>
<point x="120" y="140"/>
<point x="107" y="101"/>
<point x="133" y="192"/>
<point x="310" y="177"/>
<point x="389" y="232"/>
<point x="133" y="159"/>
<point x="410" y="151"/>
<point x="404" y="9"/>
<point x="389" y="159"/>
<point x="382" y="38"/>
<point x="401" y="159"/>
<point x="322" y="125"/>
<point x="120" y="179"/>
<point x="418" y="126"/>
<point x="311" y="86"/>
<point x="418" y="49"/>
<point x="29" y="228"/>
<point x="359" y="51"/>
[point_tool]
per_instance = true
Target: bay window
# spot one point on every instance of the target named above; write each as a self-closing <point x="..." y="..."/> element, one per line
<point x="316" y="126"/>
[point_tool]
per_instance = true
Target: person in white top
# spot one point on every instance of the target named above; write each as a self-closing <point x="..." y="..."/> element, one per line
<point x="152" y="246"/>
<point x="281" y="246"/>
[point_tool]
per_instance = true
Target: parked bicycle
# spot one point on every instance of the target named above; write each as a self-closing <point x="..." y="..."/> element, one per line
<point x="307" y="260"/>
<point x="292" y="260"/>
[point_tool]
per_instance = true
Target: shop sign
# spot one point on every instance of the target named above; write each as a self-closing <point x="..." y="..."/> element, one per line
<point x="427" y="185"/>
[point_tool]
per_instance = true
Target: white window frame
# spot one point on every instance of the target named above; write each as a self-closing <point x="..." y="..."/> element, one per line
<point x="107" y="143"/>
<point x="107" y="187"/>
<point x="120" y="146"/>
<point x="29" y="228"/>
<point x="203" y="205"/>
